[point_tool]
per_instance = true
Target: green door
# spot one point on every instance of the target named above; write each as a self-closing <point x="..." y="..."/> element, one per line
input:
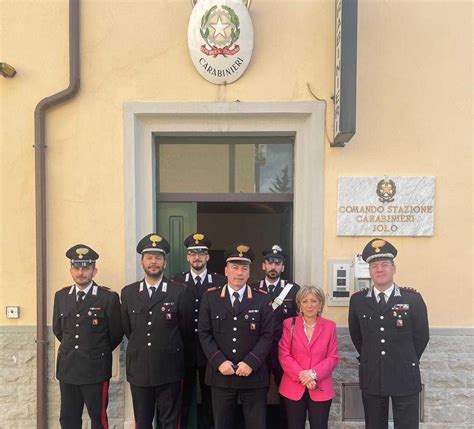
<point x="175" y="222"/>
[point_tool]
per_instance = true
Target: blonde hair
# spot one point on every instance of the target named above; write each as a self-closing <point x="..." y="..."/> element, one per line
<point x="316" y="291"/>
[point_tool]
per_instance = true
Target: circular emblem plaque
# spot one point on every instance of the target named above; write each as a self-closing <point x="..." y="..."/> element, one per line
<point x="220" y="39"/>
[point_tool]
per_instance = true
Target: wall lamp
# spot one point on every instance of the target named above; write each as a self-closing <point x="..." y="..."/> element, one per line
<point x="6" y="70"/>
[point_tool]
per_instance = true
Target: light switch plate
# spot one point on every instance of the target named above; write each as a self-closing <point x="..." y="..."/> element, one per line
<point x="13" y="312"/>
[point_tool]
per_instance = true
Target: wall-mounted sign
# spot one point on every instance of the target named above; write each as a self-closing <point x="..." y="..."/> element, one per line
<point x="383" y="206"/>
<point x="345" y="75"/>
<point x="220" y="39"/>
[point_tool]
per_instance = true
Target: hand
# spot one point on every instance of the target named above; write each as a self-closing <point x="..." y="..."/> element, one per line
<point x="311" y="385"/>
<point x="305" y="377"/>
<point x="243" y="369"/>
<point x="225" y="368"/>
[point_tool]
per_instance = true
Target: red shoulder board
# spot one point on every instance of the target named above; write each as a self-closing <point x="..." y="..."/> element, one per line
<point x="407" y="289"/>
<point x="364" y="290"/>
<point x="261" y="291"/>
<point x="211" y="289"/>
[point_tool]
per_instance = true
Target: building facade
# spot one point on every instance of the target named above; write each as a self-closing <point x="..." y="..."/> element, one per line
<point x="146" y="140"/>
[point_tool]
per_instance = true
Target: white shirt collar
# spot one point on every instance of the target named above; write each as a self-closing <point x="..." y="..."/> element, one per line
<point x="241" y="292"/>
<point x="274" y="283"/>
<point x="157" y="285"/>
<point x="202" y="275"/>
<point x="86" y="290"/>
<point x="387" y="293"/>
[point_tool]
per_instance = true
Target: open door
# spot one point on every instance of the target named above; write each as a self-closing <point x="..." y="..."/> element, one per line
<point x="258" y="224"/>
<point x="286" y="239"/>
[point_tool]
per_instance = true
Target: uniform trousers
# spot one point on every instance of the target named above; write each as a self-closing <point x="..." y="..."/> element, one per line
<point x="280" y="421"/>
<point x="73" y="398"/>
<point x="204" y="415"/>
<point x="254" y="407"/>
<point x="165" y="398"/>
<point x="406" y="411"/>
<point x="277" y="375"/>
<point x="318" y="412"/>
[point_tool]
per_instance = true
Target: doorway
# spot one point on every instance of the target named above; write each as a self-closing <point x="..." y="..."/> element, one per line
<point x="258" y="224"/>
<point x="232" y="187"/>
<point x="144" y="121"/>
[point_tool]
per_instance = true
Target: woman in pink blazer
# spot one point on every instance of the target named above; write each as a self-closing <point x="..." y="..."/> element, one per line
<point x="308" y="355"/>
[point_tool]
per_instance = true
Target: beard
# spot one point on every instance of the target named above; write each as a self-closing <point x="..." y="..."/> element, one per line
<point x="154" y="272"/>
<point x="272" y="274"/>
<point x="198" y="265"/>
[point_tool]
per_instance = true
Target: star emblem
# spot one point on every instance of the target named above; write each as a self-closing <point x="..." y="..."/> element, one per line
<point x="219" y="27"/>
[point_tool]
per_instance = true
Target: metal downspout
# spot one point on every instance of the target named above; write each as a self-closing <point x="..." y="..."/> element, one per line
<point x="40" y="197"/>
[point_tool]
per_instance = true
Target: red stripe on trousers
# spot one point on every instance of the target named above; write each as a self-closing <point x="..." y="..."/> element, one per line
<point x="105" y="390"/>
<point x="180" y="403"/>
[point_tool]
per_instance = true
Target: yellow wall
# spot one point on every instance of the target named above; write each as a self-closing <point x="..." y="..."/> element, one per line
<point x="414" y="111"/>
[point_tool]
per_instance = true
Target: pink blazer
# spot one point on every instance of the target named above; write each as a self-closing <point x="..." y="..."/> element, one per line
<point x="320" y="354"/>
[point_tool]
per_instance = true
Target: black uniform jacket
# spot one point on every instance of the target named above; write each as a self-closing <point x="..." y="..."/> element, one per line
<point x="286" y="309"/>
<point x="390" y="342"/>
<point x="242" y="337"/>
<point x="194" y="355"/>
<point x="88" y="334"/>
<point x="155" y="329"/>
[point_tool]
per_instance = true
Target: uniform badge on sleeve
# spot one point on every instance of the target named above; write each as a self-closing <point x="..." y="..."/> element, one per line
<point x="95" y="322"/>
<point x="253" y="326"/>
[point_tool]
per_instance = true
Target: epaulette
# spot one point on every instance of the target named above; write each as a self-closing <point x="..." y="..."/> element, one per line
<point x="212" y="289"/>
<point x="407" y="289"/>
<point x="363" y="290"/>
<point x="176" y="283"/>
<point x="261" y="291"/>
<point x="66" y="287"/>
<point x="104" y="287"/>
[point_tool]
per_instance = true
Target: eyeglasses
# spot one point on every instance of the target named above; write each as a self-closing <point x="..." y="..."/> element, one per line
<point x="383" y="265"/>
<point x="197" y="255"/>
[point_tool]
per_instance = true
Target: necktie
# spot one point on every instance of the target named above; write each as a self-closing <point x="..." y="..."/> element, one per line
<point x="271" y="289"/>
<point x="381" y="300"/>
<point x="153" y="290"/>
<point x="199" y="286"/>
<point x="235" y="305"/>
<point x="80" y="297"/>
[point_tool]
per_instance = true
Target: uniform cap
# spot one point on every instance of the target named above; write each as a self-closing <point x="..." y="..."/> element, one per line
<point x="197" y="242"/>
<point x="239" y="252"/>
<point x="81" y="255"/>
<point x="153" y="243"/>
<point x="274" y="254"/>
<point x="378" y="248"/>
